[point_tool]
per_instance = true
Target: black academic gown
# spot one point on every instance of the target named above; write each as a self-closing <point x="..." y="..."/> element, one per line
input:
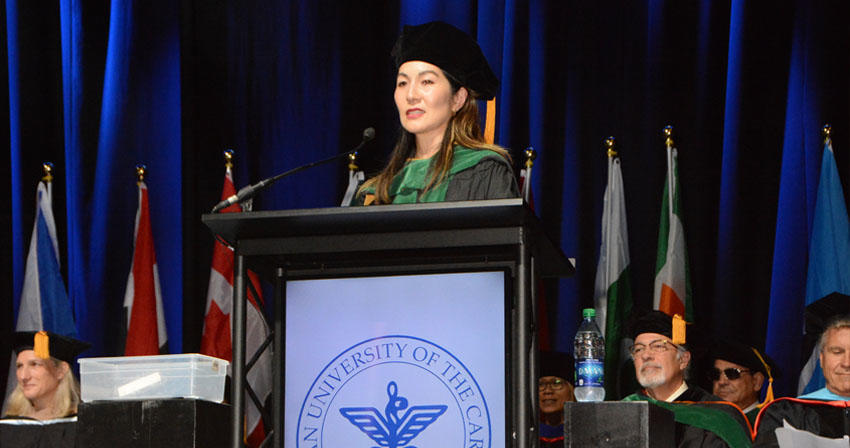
<point x="692" y="436"/>
<point x="21" y="432"/>
<point x="824" y="418"/>
<point x="491" y="178"/>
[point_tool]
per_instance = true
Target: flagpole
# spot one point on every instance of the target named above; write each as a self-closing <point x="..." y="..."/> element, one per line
<point x="668" y="141"/>
<point x="530" y="156"/>
<point x="827" y="135"/>
<point x="47" y="178"/>
<point x="228" y="161"/>
<point x="609" y="144"/>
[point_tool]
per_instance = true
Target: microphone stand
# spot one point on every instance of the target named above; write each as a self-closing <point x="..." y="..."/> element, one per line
<point x="251" y="190"/>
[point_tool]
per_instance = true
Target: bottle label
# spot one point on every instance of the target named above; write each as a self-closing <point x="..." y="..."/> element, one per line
<point x="589" y="373"/>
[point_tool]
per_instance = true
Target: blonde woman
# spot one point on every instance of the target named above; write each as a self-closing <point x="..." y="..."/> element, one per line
<point x="441" y="154"/>
<point x="41" y="411"/>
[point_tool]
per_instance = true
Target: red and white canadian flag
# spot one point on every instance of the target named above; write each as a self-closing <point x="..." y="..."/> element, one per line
<point x="143" y="300"/>
<point x="216" y="339"/>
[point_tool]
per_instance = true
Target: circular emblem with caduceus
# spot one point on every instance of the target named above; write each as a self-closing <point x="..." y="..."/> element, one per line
<point x="394" y="391"/>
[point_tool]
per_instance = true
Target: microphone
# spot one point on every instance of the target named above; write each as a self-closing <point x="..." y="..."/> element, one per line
<point x="251" y="190"/>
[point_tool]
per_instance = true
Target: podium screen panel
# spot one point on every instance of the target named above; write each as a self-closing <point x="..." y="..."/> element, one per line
<point x="393" y="361"/>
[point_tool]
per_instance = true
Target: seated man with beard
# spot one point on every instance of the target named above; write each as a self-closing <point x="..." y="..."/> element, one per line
<point x="662" y="359"/>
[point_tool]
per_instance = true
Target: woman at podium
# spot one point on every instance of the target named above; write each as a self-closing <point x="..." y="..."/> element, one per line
<point x="441" y="154"/>
<point x="42" y="409"/>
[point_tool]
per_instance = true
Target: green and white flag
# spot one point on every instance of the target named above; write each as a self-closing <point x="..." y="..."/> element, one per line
<point x="613" y="292"/>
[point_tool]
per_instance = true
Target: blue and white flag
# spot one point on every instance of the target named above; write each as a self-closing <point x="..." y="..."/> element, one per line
<point x="44" y="301"/>
<point x="829" y="255"/>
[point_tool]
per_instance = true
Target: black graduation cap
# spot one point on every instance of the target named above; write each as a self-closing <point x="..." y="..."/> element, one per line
<point x="47" y="344"/>
<point x="820" y="312"/>
<point x="654" y="321"/>
<point x="451" y="49"/>
<point x="744" y="355"/>
<point x="557" y="364"/>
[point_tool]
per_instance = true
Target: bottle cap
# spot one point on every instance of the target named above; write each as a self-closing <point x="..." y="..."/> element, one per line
<point x="588" y="312"/>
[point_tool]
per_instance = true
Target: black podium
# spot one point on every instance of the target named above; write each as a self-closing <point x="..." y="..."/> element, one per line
<point x="186" y="423"/>
<point x="436" y="237"/>
<point x="618" y="424"/>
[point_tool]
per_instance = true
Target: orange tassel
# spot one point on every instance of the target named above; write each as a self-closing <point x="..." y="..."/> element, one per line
<point x="41" y="345"/>
<point x="490" y="122"/>
<point x="768" y="396"/>
<point x="678" y="330"/>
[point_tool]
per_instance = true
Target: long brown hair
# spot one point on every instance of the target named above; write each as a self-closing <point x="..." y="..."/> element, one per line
<point x="463" y="129"/>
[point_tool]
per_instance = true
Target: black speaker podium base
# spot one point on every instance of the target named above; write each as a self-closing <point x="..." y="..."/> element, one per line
<point x="176" y="422"/>
<point x="609" y="424"/>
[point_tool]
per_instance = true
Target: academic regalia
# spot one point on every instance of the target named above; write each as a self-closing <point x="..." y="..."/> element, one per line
<point x="24" y="432"/>
<point x="551" y="436"/>
<point x="702" y="420"/>
<point x="19" y="432"/>
<point x="474" y="175"/>
<point x="750" y="358"/>
<point x="561" y="365"/>
<point x="751" y="415"/>
<point x="696" y="393"/>
<point x="829" y="419"/>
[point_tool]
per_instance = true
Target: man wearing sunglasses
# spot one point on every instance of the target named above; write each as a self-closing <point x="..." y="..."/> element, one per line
<point x="738" y="374"/>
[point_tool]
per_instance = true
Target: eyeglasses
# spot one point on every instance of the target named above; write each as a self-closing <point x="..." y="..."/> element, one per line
<point x="656" y="346"/>
<point x="556" y="384"/>
<point x="732" y="373"/>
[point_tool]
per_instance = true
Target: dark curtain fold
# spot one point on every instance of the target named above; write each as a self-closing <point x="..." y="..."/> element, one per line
<point x="98" y="86"/>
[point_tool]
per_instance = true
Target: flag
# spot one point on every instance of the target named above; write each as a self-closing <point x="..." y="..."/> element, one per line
<point x="44" y="302"/>
<point x="613" y="292"/>
<point x="216" y="339"/>
<point x="829" y="254"/>
<point x="143" y="300"/>
<point x="672" y="277"/>
<point x="355" y="179"/>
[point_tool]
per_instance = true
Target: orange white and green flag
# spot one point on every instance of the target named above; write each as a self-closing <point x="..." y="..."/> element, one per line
<point x="672" y="276"/>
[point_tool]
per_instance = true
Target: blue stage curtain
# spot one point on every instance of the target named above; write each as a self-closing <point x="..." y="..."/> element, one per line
<point x="97" y="87"/>
<point x="105" y="96"/>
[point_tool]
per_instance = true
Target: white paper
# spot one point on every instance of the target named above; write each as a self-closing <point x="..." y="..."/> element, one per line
<point x="791" y="437"/>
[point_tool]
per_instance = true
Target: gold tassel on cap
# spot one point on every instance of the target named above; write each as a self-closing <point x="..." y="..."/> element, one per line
<point x="678" y="330"/>
<point x="41" y="345"/>
<point x="768" y="396"/>
<point x="490" y="122"/>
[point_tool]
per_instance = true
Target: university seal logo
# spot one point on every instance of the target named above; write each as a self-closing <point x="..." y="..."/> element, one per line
<point x="395" y="392"/>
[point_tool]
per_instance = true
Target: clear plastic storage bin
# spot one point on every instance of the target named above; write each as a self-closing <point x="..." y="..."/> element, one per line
<point x="145" y="377"/>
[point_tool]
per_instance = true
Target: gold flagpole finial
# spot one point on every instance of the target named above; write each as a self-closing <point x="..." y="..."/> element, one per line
<point x="228" y="158"/>
<point x="141" y="170"/>
<point x="668" y="135"/>
<point x="609" y="145"/>
<point x="827" y="133"/>
<point x="530" y="156"/>
<point x="352" y="161"/>
<point x="47" y="169"/>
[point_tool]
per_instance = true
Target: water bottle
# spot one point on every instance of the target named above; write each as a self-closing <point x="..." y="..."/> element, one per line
<point x="590" y="355"/>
